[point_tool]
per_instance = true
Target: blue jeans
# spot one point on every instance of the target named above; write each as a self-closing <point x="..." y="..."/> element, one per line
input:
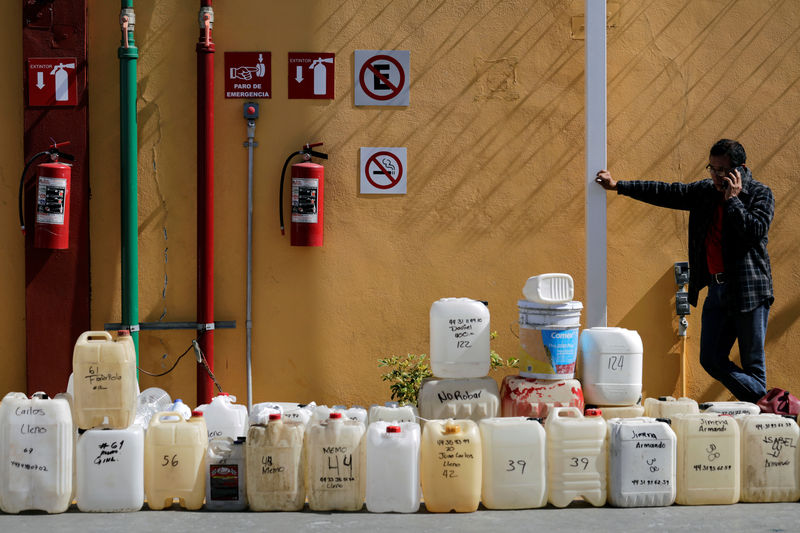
<point x="720" y="328"/>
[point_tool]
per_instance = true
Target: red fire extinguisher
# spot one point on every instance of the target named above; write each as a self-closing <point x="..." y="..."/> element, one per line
<point x="307" y="197"/>
<point x="51" y="228"/>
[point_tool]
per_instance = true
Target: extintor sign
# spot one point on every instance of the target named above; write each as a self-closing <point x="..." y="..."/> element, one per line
<point x="311" y="75"/>
<point x="52" y="81"/>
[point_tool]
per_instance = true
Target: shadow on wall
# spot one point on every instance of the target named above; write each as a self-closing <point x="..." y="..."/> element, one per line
<point x="654" y="314"/>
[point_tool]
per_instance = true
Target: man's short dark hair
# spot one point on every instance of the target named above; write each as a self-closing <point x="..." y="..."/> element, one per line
<point x="732" y="149"/>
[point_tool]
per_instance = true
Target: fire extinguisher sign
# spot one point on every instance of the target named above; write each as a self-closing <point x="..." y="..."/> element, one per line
<point x="52" y="81"/>
<point x="311" y="75"/>
<point x="383" y="171"/>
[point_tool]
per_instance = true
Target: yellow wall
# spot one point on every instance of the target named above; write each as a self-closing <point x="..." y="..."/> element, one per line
<point x="495" y="138"/>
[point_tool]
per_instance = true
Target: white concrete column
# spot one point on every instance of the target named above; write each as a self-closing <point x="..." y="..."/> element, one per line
<point x="596" y="249"/>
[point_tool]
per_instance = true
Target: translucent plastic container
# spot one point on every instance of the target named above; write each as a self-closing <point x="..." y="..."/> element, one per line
<point x="667" y="407"/>
<point x="110" y="470"/>
<point x="450" y="466"/>
<point x="104" y="380"/>
<point x="225" y="474"/>
<point x="708" y="459"/>
<point x="36" y="453"/>
<point x="730" y="408"/>
<point x="181" y="408"/>
<point x="619" y="411"/>
<point x="549" y="288"/>
<point x="393" y="467"/>
<point x="472" y="398"/>
<point x="393" y="412"/>
<point x="642" y="462"/>
<point x="174" y="461"/>
<point x="611" y="366"/>
<point x="459" y="338"/>
<point x="521" y="396"/>
<point x="335" y="460"/>
<point x="275" y="465"/>
<point x="548" y="339"/>
<point x="770" y="470"/>
<point x="224" y="418"/>
<point x="576" y="457"/>
<point x="289" y="411"/>
<point x="513" y="455"/>
<point x="322" y="413"/>
<point x="149" y="402"/>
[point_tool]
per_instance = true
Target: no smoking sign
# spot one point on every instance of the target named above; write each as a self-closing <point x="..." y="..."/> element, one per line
<point x="383" y="171"/>
<point x="382" y="77"/>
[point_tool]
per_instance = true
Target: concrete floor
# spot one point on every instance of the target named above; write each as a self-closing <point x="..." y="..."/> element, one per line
<point x="770" y="517"/>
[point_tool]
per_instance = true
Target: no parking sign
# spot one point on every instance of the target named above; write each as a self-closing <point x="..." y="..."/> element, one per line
<point x="383" y="171"/>
<point x="382" y="77"/>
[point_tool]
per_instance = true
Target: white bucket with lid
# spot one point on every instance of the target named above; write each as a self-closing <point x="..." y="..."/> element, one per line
<point x="548" y="337"/>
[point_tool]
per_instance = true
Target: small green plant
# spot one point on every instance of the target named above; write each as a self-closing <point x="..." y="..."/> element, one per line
<point x="405" y="374"/>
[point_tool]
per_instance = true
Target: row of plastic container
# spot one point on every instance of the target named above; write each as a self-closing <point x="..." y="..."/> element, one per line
<point x="338" y="464"/>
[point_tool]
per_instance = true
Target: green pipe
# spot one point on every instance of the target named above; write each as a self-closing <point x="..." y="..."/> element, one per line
<point x="128" y="54"/>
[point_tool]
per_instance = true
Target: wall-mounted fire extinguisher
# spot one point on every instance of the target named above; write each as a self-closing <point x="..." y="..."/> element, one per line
<point x="307" y="197"/>
<point x="51" y="228"/>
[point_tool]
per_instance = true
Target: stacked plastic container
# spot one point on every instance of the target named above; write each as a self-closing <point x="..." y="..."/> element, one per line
<point x="548" y="331"/>
<point x="109" y="457"/>
<point x="460" y="362"/>
<point x="611" y="371"/>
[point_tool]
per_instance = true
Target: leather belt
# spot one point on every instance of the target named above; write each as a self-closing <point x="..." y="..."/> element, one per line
<point x="718" y="278"/>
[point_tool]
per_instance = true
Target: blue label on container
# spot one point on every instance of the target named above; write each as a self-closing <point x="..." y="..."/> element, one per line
<point x="562" y="345"/>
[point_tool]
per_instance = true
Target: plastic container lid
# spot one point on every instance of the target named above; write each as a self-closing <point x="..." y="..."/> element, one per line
<point x="274" y="416"/>
<point x="549" y="288"/>
<point x="335" y="415"/>
<point x="123" y="333"/>
<point x="564" y="306"/>
<point x="197" y="413"/>
<point x="392" y="429"/>
<point x="450" y="429"/>
<point x="593" y="412"/>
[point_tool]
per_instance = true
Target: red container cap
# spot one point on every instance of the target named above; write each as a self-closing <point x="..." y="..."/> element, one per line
<point x="197" y="413"/>
<point x="336" y="415"/>
<point x="274" y="416"/>
<point x="224" y="394"/>
<point x="593" y="412"/>
<point x="392" y="429"/>
<point x="123" y="333"/>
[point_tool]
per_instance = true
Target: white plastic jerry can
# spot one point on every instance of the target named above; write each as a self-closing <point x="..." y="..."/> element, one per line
<point x="770" y="471"/>
<point x="110" y="470"/>
<point x="225" y="474"/>
<point x="275" y="465"/>
<point x="468" y="398"/>
<point x="104" y="380"/>
<point x="393" y="412"/>
<point x="730" y="408"/>
<point x="393" y="467"/>
<point x="334" y="451"/>
<point x="36" y="452"/>
<point x="514" y="474"/>
<point x="224" y="418"/>
<point x="667" y="406"/>
<point x="708" y="459"/>
<point x="611" y="365"/>
<point x="289" y="411"/>
<point x="620" y="411"/>
<point x="174" y="460"/>
<point x="576" y="456"/>
<point x="460" y="334"/>
<point x="642" y="462"/>
<point x="450" y="466"/>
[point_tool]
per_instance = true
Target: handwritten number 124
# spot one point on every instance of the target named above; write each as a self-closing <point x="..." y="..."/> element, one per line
<point x="512" y="466"/>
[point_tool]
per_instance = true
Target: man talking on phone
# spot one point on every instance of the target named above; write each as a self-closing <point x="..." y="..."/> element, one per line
<point x="729" y="218"/>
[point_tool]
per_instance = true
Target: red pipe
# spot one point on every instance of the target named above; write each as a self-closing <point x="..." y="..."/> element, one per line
<point x="205" y="199"/>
